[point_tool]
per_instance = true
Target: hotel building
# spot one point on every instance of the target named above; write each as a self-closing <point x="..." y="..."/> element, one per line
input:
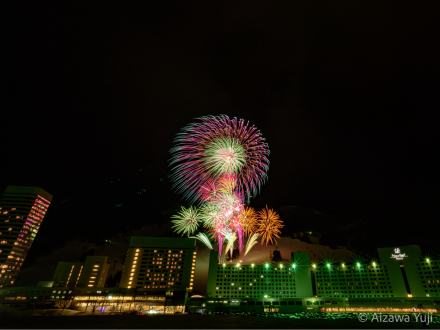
<point x="92" y="273"/>
<point x="401" y="279"/>
<point x="160" y="264"/>
<point x="22" y="210"/>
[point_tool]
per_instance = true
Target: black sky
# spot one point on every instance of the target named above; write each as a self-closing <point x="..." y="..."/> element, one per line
<point x="345" y="93"/>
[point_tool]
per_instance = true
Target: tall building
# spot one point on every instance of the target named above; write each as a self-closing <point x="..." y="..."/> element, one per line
<point x="22" y="210"/>
<point x="92" y="273"/>
<point x="160" y="264"/>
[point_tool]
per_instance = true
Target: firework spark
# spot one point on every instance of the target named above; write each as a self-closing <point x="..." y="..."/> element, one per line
<point x="269" y="224"/>
<point x="202" y="237"/>
<point x="250" y="243"/>
<point x="230" y="237"/>
<point x="248" y="219"/>
<point x="186" y="221"/>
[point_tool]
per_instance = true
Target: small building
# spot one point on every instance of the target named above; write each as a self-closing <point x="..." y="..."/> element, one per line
<point x="92" y="273"/>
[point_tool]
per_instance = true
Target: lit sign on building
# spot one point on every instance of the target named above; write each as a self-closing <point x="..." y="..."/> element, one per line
<point x="398" y="255"/>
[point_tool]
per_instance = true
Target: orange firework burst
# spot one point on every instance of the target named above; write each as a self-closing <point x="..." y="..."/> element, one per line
<point x="248" y="220"/>
<point x="269" y="224"/>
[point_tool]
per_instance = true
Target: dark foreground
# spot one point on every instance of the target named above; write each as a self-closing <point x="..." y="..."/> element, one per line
<point x="189" y="322"/>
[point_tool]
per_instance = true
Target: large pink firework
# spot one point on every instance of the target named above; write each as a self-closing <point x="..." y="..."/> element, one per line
<point x="215" y="146"/>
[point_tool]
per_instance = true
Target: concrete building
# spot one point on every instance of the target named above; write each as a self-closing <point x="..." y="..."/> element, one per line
<point x="107" y="300"/>
<point x="92" y="273"/>
<point x="402" y="278"/>
<point x="160" y="264"/>
<point x="22" y="210"/>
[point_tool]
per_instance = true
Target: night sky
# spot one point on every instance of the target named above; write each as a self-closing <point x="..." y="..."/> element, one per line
<point x="345" y="93"/>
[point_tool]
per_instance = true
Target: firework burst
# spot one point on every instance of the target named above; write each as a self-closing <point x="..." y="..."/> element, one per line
<point x="269" y="224"/>
<point x="248" y="220"/>
<point x="220" y="163"/>
<point x="186" y="221"/>
<point x="216" y="145"/>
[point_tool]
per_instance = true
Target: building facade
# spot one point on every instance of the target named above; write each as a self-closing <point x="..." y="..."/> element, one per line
<point x="160" y="264"/>
<point x="92" y="273"/>
<point x="22" y="210"/>
<point x="258" y="281"/>
<point x="402" y="278"/>
<point x="400" y="272"/>
<point x="91" y="299"/>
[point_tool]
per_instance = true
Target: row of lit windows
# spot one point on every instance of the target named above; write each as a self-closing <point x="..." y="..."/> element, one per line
<point x="131" y="278"/>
